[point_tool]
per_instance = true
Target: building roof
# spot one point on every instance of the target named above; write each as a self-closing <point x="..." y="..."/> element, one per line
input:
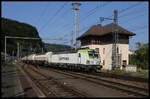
<point x="132" y="51"/>
<point x="99" y="30"/>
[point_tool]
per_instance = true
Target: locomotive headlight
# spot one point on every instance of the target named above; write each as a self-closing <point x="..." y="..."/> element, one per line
<point x="98" y="62"/>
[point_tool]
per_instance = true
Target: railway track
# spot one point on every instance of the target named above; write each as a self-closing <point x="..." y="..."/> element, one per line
<point x="113" y="83"/>
<point x="51" y="87"/>
<point x="124" y="77"/>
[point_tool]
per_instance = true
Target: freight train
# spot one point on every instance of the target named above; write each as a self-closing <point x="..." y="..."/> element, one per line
<point x="83" y="60"/>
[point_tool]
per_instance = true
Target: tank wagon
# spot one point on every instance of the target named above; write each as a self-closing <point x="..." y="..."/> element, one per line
<point x="83" y="59"/>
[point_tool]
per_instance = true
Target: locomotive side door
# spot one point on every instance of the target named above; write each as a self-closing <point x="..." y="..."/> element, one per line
<point x="79" y="58"/>
<point x="82" y="58"/>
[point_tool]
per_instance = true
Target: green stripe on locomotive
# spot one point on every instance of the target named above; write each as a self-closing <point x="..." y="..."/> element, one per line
<point x="87" y="52"/>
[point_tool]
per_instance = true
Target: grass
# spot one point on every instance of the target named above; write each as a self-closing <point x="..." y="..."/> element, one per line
<point x="8" y="64"/>
<point x="139" y="73"/>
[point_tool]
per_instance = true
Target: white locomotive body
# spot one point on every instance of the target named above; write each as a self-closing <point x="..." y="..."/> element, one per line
<point x="86" y="60"/>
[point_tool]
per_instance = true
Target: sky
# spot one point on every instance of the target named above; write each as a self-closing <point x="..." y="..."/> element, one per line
<point x="56" y="20"/>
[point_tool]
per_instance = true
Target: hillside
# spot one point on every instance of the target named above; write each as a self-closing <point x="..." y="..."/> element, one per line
<point x="56" y="47"/>
<point x="17" y="29"/>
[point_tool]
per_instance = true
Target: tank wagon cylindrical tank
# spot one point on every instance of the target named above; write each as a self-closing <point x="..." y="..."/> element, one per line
<point x="84" y="59"/>
<point x="41" y="59"/>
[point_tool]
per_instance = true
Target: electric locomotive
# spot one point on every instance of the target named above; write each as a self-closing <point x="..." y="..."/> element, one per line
<point x="83" y="60"/>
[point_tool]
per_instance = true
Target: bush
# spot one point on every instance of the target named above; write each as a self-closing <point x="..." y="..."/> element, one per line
<point x="140" y="57"/>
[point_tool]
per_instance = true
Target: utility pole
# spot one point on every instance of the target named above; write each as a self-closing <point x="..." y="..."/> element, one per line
<point x="114" y="53"/>
<point x="42" y="49"/>
<point x="5" y="48"/>
<point x="18" y="50"/>
<point x="72" y="39"/>
<point x="76" y="8"/>
<point x="13" y="54"/>
<point x="115" y="38"/>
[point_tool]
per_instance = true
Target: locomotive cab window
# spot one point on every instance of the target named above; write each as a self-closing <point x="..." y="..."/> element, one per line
<point x="93" y="54"/>
<point x="79" y="55"/>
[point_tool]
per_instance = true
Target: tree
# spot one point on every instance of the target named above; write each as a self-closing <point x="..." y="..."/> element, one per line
<point x="17" y="29"/>
<point x="140" y="57"/>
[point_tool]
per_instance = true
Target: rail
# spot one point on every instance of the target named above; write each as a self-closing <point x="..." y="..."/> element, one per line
<point x="48" y="92"/>
<point x="130" y="89"/>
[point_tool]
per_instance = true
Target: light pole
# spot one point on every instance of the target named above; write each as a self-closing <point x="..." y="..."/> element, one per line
<point x="18" y="50"/>
<point x="5" y="48"/>
<point x="72" y="39"/>
<point x="75" y="6"/>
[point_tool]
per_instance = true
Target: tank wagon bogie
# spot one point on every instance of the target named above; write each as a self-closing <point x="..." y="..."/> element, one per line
<point x="85" y="60"/>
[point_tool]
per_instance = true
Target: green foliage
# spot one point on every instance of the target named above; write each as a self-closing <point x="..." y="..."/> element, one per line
<point x="3" y="63"/>
<point x="56" y="47"/>
<point x="2" y="60"/>
<point x="140" y="57"/>
<point x="16" y="29"/>
<point x="139" y="73"/>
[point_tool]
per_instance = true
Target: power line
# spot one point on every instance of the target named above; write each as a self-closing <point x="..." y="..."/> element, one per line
<point x="133" y="18"/>
<point x="90" y="13"/>
<point x="43" y="12"/>
<point x="51" y="19"/>
<point x="131" y="13"/>
<point x="94" y="11"/>
<point x="139" y="28"/>
<point x="87" y="27"/>
<point x="68" y="24"/>
<point x="63" y="14"/>
<point x="35" y="38"/>
<point x="130" y="7"/>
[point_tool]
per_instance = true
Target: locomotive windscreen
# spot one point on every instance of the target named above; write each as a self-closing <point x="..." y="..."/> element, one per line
<point x="93" y="54"/>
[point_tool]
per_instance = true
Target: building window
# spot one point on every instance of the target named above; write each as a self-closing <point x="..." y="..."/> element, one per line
<point x="103" y="50"/>
<point x="97" y="49"/>
<point x="93" y="41"/>
<point x="103" y="62"/>
<point x="99" y="42"/>
<point x="96" y="41"/>
<point x="117" y="50"/>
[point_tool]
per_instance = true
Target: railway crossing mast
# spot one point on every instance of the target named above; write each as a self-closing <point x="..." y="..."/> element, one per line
<point x="75" y="6"/>
<point x="115" y="39"/>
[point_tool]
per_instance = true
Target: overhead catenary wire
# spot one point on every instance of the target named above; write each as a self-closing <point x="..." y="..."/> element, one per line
<point x="132" y="13"/>
<point x="87" y="27"/>
<point x="139" y="28"/>
<point x="128" y="8"/>
<point x="63" y="15"/>
<point x="43" y="12"/>
<point x="106" y="4"/>
<point x="133" y="18"/>
<point x="51" y="19"/>
<point x="94" y="10"/>
<point x="90" y="12"/>
<point x="34" y="38"/>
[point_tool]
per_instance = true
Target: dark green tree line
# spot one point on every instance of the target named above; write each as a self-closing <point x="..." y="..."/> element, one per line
<point x="17" y="29"/>
<point x="141" y="56"/>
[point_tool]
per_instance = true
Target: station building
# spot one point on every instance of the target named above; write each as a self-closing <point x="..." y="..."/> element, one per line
<point x="101" y="38"/>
